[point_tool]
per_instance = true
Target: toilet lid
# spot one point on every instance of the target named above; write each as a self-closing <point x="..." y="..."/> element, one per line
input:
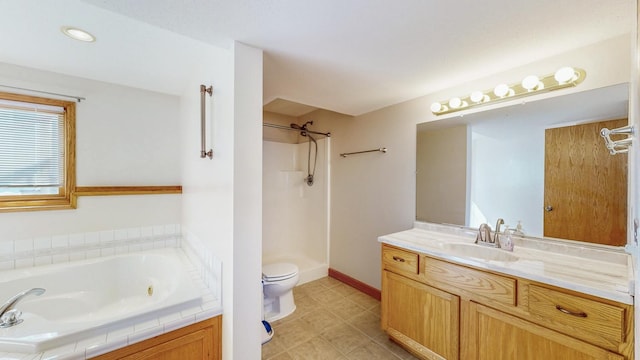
<point x="278" y="271"/>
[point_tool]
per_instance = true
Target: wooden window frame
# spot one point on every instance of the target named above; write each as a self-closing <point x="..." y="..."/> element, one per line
<point x="66" y="198"/>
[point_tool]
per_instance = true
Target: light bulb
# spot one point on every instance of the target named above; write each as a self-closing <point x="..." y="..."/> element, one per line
<point x="436" y="107"/>
<point x="531" y="83"/>
<point x="501" y="90"/>
<point x="477" y="96"/>
<point x="565" y="75"/>
<point x="455" y="103"/>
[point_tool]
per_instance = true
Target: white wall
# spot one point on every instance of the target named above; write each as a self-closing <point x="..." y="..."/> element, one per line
<point x="207" y="185"/>
<point x="125" y="136"/>
<point x="371" y="194"/>
<point x="247" y="206"/>
<point x="222" y="197"/>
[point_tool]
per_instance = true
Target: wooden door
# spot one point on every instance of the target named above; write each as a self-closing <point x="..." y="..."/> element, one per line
<point x="585" y="187"/>
<point x="499" y="336"/>
<point x="424" y="319"/>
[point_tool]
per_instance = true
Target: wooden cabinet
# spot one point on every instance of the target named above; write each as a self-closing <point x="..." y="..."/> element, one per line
<point x="400" y="261"/>
<point x="442" y="310"/>
<point x="499" y="336"/>
<point x="406" y="303"/>
<point x="198" y="341"/>
<point x="471" y="283"/>
<point x="590" y="320"/>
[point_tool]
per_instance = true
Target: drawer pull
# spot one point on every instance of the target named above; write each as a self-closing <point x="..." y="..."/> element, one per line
<point x="398" y="259"/>
<point x="568" y="312"/>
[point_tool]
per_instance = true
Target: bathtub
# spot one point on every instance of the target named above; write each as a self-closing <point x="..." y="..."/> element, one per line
<point x="85" y="298"/>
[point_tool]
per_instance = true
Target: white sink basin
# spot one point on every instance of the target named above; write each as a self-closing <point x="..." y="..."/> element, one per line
<point x="479" y="252"/>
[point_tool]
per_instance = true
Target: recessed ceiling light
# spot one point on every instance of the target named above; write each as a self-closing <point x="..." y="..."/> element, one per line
<point x="77" y="34"/>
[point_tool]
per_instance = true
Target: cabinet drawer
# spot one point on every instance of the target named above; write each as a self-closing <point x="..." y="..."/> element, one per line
<point x="472" y="283"/>
<point x="399" y="260"/>
<point x="583" y="318"/>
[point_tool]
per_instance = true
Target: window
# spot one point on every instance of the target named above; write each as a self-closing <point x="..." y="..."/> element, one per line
<point x="37" y="153"/>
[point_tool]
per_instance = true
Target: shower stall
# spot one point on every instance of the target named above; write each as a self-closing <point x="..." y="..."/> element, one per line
<point x="295" y="188"/>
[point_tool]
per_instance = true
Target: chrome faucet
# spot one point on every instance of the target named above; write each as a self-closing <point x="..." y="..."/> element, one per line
<point x="10" y="316"/>
<point x="484" y="235"/>
<point x="496" y="235"/>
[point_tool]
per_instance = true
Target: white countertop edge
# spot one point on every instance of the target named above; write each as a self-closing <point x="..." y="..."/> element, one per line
<point x="163" y="328"/>
<point x="86" y="350"/>
<point x="622" y="297"/>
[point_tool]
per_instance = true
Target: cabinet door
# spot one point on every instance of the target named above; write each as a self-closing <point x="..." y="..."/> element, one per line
<point x="497" y="336"/>
<point x="424" y="319"/>
<point x="196" y="345"/>
<point x="201" y="340"/>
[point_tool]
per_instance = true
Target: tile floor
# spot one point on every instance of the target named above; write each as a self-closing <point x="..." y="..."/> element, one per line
<point x="333" y="321"/>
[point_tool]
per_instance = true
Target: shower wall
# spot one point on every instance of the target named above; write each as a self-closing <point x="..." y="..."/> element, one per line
<point x="295" y="215"/>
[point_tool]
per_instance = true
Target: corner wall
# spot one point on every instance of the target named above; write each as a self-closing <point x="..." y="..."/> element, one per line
<point x="247" y="204"/>
<point x="222" y="196"/>
<point x="371" y="194"/>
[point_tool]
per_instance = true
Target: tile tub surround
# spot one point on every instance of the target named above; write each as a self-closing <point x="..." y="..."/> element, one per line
<point x="601" y="271"/>
<point x="209" y="267"/>
<point x="332" y="321"/>
<point x="70" y="247"/>
<point x="204" y="275"/>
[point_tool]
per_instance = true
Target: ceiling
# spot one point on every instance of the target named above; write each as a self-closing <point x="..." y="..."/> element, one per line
<point x="286" y="107"/>
<point x="348" y="56"/>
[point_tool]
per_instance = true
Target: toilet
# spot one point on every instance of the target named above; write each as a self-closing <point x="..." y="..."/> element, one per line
<point x="278" y="280"/>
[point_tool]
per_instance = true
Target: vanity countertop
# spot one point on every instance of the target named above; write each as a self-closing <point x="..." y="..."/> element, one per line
<point x="591" y="269"/>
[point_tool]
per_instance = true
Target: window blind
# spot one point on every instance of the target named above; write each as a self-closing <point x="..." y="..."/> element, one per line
<point x="31" y="149"/>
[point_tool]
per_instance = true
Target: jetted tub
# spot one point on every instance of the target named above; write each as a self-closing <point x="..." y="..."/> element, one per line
<point x="87" y="297"/>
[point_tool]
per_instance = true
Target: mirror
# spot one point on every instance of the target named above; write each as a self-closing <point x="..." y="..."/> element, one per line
<point x="480" y="167"/>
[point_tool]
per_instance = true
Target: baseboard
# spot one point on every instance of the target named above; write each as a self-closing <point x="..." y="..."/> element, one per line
<point x="357" y="284"/>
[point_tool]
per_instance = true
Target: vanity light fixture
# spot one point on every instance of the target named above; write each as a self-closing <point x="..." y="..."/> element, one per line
<point x="77" y="34"/>
<point x="530" y="85"/>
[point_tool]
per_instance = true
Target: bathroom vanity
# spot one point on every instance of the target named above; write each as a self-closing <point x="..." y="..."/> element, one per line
<point x="444" y="297"/>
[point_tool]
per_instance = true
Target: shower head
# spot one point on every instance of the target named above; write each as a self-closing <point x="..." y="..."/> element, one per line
<point x="301" y="127"/>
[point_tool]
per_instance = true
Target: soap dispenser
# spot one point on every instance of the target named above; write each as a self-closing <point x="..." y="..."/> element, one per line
<point x="519" y="229"/>
<point x="506" y="240"/>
